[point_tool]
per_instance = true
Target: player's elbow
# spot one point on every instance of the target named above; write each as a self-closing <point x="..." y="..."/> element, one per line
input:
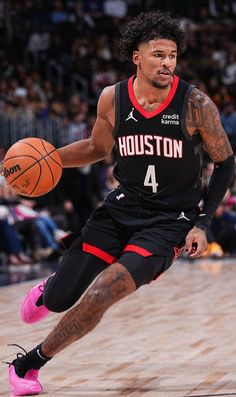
<point x="101" y="152"/>
<point x="104" y="154"/>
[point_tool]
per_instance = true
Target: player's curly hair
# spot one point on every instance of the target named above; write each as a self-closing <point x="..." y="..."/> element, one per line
<point x="149" y="26"/>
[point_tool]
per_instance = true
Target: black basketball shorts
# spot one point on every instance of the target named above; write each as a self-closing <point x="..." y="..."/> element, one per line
<point x="145" y="242"/>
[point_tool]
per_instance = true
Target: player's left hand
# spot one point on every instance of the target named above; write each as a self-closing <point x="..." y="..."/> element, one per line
<point x="196" y="242"/>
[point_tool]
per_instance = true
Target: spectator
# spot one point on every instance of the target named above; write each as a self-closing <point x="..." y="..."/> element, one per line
<point x="229" y="73"/>
<point x="228" y="118"/>
<point x="59" y="15"/>
<point x="223" y="229"/>
<point x="11" y="245"/>
<point x="77" y="115"/>
<point x="40" y="232"/>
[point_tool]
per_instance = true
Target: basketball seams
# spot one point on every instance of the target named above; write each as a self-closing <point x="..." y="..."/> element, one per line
<point x="27" y="169"/>
<point x="48" y="155"/>
<point x="54" y="150"/>
<point x="37" y="161"/>
<point x="19" y="155"/>
<point x="50" y="172"/>
<point x="53" y="181"/>
<point x="36" y="184"/>
<point x="41" y="154"/>
<point x="50" y="163"/>
<point x="40" y="171"/>
<point x="28" y="155"/>
<point x="29" y="144"/>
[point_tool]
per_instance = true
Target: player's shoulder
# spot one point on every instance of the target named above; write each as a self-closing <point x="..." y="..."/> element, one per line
<point x="200" y="111"/>
<point x="106" y="100"/>
<point x="108" y="92"/>
<point x="200" y="98"/>
<point x="106" y="103"/>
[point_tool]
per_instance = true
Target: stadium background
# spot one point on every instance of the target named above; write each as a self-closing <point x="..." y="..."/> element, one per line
<point x="55" y="59"/>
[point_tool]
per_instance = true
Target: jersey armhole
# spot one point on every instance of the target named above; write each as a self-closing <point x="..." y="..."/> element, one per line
<point x="184" y="113"/>
<point x="117" y="109"/>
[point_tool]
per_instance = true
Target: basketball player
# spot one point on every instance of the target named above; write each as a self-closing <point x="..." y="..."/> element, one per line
<point x="159" y="124"/>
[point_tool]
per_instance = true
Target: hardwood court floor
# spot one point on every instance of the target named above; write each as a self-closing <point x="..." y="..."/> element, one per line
<point x="173" y="338"/>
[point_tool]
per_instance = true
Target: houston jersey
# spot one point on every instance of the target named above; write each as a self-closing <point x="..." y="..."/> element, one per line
<point x="158" y="162"/>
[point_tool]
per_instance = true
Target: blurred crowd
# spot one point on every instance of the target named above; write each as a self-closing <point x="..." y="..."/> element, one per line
<point x="55" y="58"/>
<point x="32" y="229"/>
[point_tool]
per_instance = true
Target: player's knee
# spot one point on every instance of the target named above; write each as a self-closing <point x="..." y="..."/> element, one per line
<point x="114" y="284"/>
<point x="98" y="301"/>
<point x="97" y="295"/>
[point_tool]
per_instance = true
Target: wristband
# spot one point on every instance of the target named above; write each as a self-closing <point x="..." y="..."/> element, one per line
<point x="203" y="222"/>
<point x="201" y="227"/>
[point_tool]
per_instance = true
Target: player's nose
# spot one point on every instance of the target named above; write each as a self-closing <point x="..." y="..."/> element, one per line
<point x="165" y="62"/>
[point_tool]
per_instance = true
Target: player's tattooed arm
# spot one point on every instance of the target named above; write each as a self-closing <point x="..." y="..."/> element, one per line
<point x="203" y="117"/>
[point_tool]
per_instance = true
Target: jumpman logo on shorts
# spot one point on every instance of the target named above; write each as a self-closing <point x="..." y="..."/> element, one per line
<point x="182" y="216"/>
<point x="130" y="116"/>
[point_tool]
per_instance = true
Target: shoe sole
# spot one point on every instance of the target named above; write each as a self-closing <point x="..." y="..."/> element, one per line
<point x="24" y="386"/>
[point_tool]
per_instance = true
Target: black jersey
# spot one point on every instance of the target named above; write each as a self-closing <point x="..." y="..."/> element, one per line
<point x="158" y="162"/>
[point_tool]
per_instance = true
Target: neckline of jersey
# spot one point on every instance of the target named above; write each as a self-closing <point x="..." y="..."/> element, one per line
<point x="160" y="108"/>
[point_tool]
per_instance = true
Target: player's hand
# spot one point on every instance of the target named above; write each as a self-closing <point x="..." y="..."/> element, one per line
<point x="196" y="242"/>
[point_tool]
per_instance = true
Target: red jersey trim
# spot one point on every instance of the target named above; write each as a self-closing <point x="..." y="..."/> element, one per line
<point x="139" y="250"/>
<point x="160" y="108"/>
<point x="99" y="253"/>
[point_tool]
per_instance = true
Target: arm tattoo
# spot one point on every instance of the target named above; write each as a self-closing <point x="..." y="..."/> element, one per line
<point x="203" y="117"/>
<point x="113" y="284"/>
<point x="194" y="117"/>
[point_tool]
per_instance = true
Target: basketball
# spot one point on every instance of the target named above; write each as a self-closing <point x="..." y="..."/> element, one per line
<point x="32" y="166"/>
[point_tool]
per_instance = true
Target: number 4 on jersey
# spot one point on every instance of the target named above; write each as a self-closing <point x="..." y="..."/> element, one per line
<point x="150" y="178"/>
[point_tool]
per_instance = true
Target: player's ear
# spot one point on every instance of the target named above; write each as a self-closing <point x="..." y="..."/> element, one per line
<point x="136" y="57"/>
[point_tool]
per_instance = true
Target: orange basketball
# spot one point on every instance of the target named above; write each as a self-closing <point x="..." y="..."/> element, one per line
<point x="32" y="166"/>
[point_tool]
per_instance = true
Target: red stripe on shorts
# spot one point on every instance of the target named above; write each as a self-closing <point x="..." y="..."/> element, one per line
<point x="177" y="253"/>
<point x="91" y="249"/>
<point x="139" y="250"/>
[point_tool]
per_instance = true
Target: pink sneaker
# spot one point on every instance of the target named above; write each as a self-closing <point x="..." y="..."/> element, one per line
<point x="30" y="313"/>
<point x="24" y="386"/>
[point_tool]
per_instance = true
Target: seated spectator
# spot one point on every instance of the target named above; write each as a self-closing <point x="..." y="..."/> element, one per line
<point x="77" y="113"/>
<point x="228" y="119"/>
<point x="59" y="14"/>
<point x="47" y="229"/>
<point x="37" y="228"/>
<point x="223" y="227"/>
<point x="11" y="246"/>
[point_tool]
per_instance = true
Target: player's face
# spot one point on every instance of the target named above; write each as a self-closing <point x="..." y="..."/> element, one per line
<point x="156" y="61"/>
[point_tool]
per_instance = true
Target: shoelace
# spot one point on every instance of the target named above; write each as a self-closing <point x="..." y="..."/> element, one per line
<point x="18" y="356"/>
<point x="41" y="287"/>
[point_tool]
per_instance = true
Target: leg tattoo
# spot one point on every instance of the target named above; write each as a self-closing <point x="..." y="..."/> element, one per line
<point x="113" y="284"/>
